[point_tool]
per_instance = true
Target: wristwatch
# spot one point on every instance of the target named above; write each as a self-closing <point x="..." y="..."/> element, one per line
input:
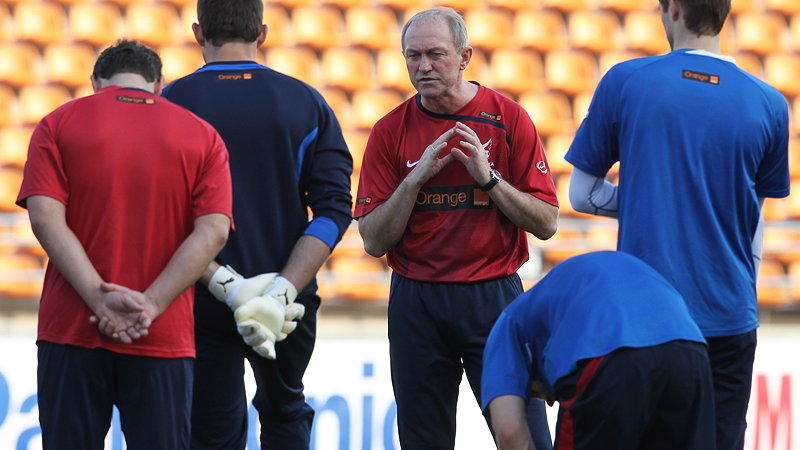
<point x="494" y="178"/>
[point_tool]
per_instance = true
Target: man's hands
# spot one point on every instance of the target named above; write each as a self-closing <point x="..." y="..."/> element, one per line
<point x="122" y="313"/>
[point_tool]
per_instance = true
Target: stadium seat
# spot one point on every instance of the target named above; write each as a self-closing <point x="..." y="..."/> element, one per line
<point x="291" y="4"/>
<point x="21" y="277"/>
<point x="8" y="108"/>
<point x="745" y="6"/>
<point x="373" y="28"/>
<point x="10" y="181"/>
<point x="775" y="209"/>
<point x="781" y="242"/>
<point x="42" y="23"/>
<point x="771" y="286"/>
<point x="478" y="68"/>
<point x="760" y="33"/>
<point x="20" y="64"/>
<point x="568" y="6"/>
<point x="318" y="27"/>
<point x="580" y="106"/>
<point x="489" y="29"/>
<point x="340" y="104"/>
<point x="794" y="32"/>
<point x="279" y="25"/>
<point x="793" y="201"/>
<point x="607" y="60"/>
<point x="785" y="7"/>
<point x="516" y="6"/>
<point x="645" y="32"/>
<point x="297" y="62"/>
<point x="98" y="24"/>
<point x="793" y="273"/>
<point x="392" y="73"/>
<point x="181" y="3"/>
<point x="350" y="69"/>
<point x="542" y="31"/>
<point x="783" y="72"/>
<point x="556" y="147"/>
<point x="750" y="63"/>
<point x="570" y="71"/>
<point x="549" y="111"/>
<point x="14" y="145"/>
<point x="6" y="24"/>
<point x="404" y="6"/>
<point x="36" y="101"/>
<point x="602" y="236"/>
<point x="626" y="6"/>
<point x="344" y="5"/>
<point x="357" y="143"/>
<point x="596" y="31"/>
<point x="516" y="71"/>
<point x="155" y="24"/>
<point x="26" y="241"/>
<point x="566" y="243"/>
<point x="180" y="60"/>
<point x="188" y="16"/>
<point x="359" y="278"/>
<point x="69" y="64"/>
<point x="370" y="105"/>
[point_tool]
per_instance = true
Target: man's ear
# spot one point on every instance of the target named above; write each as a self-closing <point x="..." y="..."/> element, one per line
<point x="466" y="56"/>
<point x="96" y="84"/>
<point x="674" y="9"/>
<point x="159" y="85"/>
<point x="263" y="35"/>
<point x="198" y="34"/>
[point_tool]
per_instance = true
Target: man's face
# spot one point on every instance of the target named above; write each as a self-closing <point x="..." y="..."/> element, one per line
<point x="434" y="65"/>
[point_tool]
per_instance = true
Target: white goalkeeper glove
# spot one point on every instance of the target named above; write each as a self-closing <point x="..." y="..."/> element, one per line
<point x="230" y="287"/>
<point x="284" y="291"/>
<point x="260" y="321"/>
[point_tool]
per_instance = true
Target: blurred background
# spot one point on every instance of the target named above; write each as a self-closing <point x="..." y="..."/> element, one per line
<point x="546" y="54"/>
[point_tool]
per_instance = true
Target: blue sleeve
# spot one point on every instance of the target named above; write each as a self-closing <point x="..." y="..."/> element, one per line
<point x="506" y="362"/>
<point x="772" y="179"/>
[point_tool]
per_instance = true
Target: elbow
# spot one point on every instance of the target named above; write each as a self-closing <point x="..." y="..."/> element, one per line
<point x="218" y="237"/>
<point x="374" y="250"/>
<point x="547" y="228"/>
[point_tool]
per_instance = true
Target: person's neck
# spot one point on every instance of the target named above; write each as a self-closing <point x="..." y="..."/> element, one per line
<point x="128" y="80"/>
<point x="230" y="51"/>
<point x="449" y="104"/>
<point x="694" y="42"/>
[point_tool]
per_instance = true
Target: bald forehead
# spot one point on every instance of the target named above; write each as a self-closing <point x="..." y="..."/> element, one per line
<point x="430" y="29"/>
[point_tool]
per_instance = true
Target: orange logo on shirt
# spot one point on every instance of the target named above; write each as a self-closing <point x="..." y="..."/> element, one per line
<point x="699" y="76"/>
<point x="136" y="100"/>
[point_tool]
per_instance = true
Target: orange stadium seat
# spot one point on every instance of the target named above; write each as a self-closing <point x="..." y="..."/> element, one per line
<point x="782" y="243"/>
<point x="279" y="26"/>
<point x="181" y="3"/>
<point x="359" y="277"/>
<point x="373" y="28"/>
<point x="8" y="108"/>
<point x="775" y="209"/>
<point x="478" y="68"/>
<point x="180" y="60"/>
<point x="318" y="27"/>
<point x="340" y="104"/>
<point x="580" y="106"/>
<point x="370" y="105"/>
<point x="793" y="201"/>
<point x="291" y="4"/>
<point x="461" y="6"/>
<point x="155" y="24"/>
<point x="344" y="5"/>
<point x="10" y="181"/>
<point x="645" y="32"/>
<point x="602" y="237"/>
<point x="19" y="64"/>
<point x="69" y="64"/>
<point x="404" y="6"/>
<point x="392" y="73"/>
<point x="771" y="286"/>
<point x="25" y="239"/>
<point x="786" y="7"/>
<point x="626" y="6"/>
<point x="570" y="71"/>
<point x="6" y="24"/>
<point x="357" y="143"/>
<point x="36" y="101"/>
<point x="794" y="129"/>
<point x="98" y="24"/>
<point x="793" y="272"/>
<point x="566" y="243"/>
<point x="21" y="277"/>
<point x="14" y="145"/>
<point x="596" y="31"/>
<point x="783" y="72"/>
<point x="542" y="31"/>
<point x="350" y="69"/>
<point x="514" y="5"/>
<point x="760" y="33"/>
<point x="794" y="32"/>
<point x="745" y="6"/>
<point x="549" y="111"/>
<point x="568" y="6"/>
<point x="750" y="63"/>
<point x="188" y="16"/>
<point x="607" y="60"/>
<point x="42" y="23"/>
<point x="297" y="62"/>
<point x="516" y="70"/>
<point x="489" y="29"/>
<point x="556" y="147"/>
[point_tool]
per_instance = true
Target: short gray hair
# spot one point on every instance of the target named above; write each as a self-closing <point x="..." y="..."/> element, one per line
<point x="458" y="29"/>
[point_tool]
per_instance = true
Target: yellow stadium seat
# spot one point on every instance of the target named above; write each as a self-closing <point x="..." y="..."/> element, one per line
<point x="10" y="182"/>
<point x="750" y="63"/>
<point x="556" y="147"/>
<point x="580" y="106"/>
<point x="771" y="284"/>
<point x="370" y="105"/>
<point x="359" y="278"/>
<point x="461" y="6"/>
<point x="568" y="6"/>
<point x="21" y="277"/>
<point x="291" y="4"/>
<point x="515" y="5"/>
<point x="6" y="24"/>
<point x="392" y="73"/>
<point x="98" y="24"/>
<point x="188" y="16"/>
<point x="570" y="71"/>
<point x="549" y="111"/>
<point x="8" y="108"/>
<point x="745" y="6"/>
<point x="180" y="60"/>
<point x="542" y="31"/>
<point x="783" y="72"/>
<point x="607" y="60"/>
<point x="344" y="5"/>
<point x="36" y="101"/>
<point x="279" y="26"/>
<point x="794" y="32"/>
<point x="785" y="7"/>
<point x="516" y="70"/>
<point x="775" y="209"/>
<point x="357" y="143"/>
<point x="155" y="24"/>
<point x="373" y="28"/>
<point x="626" y="6"/>
<point x="181" y="3"/>
<point x="760" y="33"/>
<point x="26" y="240"/>
<point x="793" y="201"/>
<point x="69" y="64"/>
<point x="793" y="272"/>
<point x="350" y="69"/>
<point x="489" y="29"/>
<point x="20" y="64"/>
<point x="42" y="23"/>
<point x="340" y="104"/>
<point x="645" y="32"/>
<point x="478" y="68"/>
<point x="602" y="237"/>
<point x="14" y="145"/>
<point x="318" y="27"/>
<point x="297" y="62"/>
<point x="596" y="31"/>
<point x="566" y="243"/>
<point x="404" y="6"/>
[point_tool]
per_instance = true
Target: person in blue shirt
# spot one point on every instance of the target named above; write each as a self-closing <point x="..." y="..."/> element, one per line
<point x="287" y="156"/>
<point x="700" y="144"/>
<point x="612" y="341"/>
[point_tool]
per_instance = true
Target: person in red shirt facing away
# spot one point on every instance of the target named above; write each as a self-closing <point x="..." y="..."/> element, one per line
<point x="130" y="196"/>
<point x="451" y="182"/>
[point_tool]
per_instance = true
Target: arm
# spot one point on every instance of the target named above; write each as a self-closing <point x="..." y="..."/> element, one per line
<point x="758" y="238"/>
<point x="509" y="423"/>
<point x="524" y="210"/>
<point x="383" y="227"/>
<point x="592" y="195"/>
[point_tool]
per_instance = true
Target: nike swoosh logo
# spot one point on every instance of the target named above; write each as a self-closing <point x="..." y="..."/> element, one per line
<point x="488" y="143"/>
<point x="410" y="164"/>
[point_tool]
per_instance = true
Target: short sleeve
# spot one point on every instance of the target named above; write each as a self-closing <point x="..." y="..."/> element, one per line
<point x="213" y="192"/>
<point x="379" y="177"/>
<point x="44" y="172"/>
<point x="530" y="171"/>
<point x="506" y="362"/>
<point x="772" y="178"/>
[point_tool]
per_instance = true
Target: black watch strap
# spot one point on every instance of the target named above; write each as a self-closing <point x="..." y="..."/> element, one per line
<point x="494" y="178"/>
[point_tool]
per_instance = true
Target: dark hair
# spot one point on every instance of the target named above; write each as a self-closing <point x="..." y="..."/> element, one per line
<point x="128" y="56"/>
<point x="702" y="17"/>
<point x="230" y="20"/>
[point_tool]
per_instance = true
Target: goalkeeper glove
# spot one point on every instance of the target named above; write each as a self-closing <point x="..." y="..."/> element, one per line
<point x="230" y="287"/>
<point x="260" y="321"/>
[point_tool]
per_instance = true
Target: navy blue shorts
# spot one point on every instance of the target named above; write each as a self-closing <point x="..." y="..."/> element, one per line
<point x="437" y="332"/>
<point x="78" y="388"/>
<point x="732" y="360"/>
<point x="220" y="405"/>
<point x="656" y="397"/>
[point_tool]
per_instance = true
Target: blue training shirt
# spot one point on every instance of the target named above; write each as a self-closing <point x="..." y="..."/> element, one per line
<point x="587" y="306"/>
<point x="699" y="140"/>
<point x="287" y="155"/>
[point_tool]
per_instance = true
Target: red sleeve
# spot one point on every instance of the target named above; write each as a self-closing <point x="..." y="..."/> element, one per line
<point x="213" y="192"/>
<point x="530" y="171"/>
<point x="379" y="176"/>
<point x="44" y="171"/>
